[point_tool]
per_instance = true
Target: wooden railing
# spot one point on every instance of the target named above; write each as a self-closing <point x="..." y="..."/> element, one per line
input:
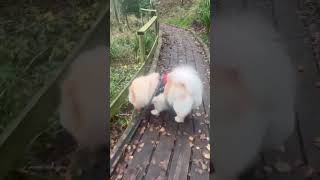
<point x="150" y="58"/>
<point x="151" y="12"/>
<point x="143" y="58"/>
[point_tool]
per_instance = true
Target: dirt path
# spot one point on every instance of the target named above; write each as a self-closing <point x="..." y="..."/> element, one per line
<point x="161" y="148"/>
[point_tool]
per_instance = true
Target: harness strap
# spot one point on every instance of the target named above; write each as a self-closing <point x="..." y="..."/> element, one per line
<point x="160" y="87"/>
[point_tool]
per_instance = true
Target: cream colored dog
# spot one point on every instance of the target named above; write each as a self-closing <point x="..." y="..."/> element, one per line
<point x="182" y="91"/>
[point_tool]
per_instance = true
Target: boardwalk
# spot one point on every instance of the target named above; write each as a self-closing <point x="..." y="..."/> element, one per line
<point x="161" y="148"/>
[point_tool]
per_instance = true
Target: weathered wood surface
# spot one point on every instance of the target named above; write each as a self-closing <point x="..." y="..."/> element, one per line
<point x="164" y="149"/>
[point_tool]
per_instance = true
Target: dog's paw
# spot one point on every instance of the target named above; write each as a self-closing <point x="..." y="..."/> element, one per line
<point x="155" y="112"/>
<point x="179" y="119"/>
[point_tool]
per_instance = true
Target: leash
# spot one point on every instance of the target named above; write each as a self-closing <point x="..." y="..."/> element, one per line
<point x="160" y="87"/>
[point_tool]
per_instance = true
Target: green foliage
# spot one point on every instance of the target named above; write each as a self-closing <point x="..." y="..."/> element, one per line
<point x="133" y="6"/>
<point x="120" y="76"/>
<point x="184" y="22"/>
<point x="203" y="10"/>
<point x="196" y="15"/>
<point x="150" y="37"/>
<point x="122" y="47"/>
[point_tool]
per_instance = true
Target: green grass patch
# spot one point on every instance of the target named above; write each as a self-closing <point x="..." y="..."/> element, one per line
<point x="120" y="76"/>
<point x="195" y="16"/>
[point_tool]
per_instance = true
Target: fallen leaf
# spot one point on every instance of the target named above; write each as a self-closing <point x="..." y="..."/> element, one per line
<point x="208" y="147"/>
<point x="142" y="130"/>
<point x="203" y="136"/>
<point x="198" y="114"/>
<point x="163" y="165"/>
<point x="200" y="171"/>
<point x="191" y="138"/>
<point x="282" y="167"/>
<point x="206" y="155"/>
<point x="139" y="149"/>
<point x="141" y="145"/>
<point x="130" y="157"/>
<point x="203" y="165"/>
<point x="197" y="147"/>
<point x="191" y="144"/>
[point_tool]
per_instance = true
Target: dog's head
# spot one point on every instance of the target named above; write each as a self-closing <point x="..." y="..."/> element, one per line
<point x="142" y="89"/>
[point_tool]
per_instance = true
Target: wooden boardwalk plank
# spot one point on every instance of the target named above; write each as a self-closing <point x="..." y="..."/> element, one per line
<point x="161" y="157"/>
<point x="200" y="165"/>
<point x="181" y="158"/>
<point x="141" y="159"/>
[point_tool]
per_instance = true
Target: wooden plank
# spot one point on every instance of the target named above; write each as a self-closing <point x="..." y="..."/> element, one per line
<point x="161" y="157"/>
<point x="180" y="161"/>
<point x="199" y="165"/>
<point x="140" y="161"/>
<point x="33" y="118"/>
<point x="124" y="139"/>
<point x="144" y="28"/>
<point x="122" y="163"/>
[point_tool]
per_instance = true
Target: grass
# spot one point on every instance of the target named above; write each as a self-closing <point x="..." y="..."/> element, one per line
<point x="120" y="76"/>
<point x="195" y="15"/>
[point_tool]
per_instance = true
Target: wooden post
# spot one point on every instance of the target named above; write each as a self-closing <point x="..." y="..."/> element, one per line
<point x="141" y="17"/>
<point x="157" y="27"/>
<point x="142" y="48"/>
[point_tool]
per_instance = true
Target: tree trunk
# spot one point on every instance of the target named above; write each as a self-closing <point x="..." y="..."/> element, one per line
<point x="127" y="22"/>
<point x="116" y="11"/>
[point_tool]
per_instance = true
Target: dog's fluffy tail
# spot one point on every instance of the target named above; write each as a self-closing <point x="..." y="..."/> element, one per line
<point x="189" y="77"/>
